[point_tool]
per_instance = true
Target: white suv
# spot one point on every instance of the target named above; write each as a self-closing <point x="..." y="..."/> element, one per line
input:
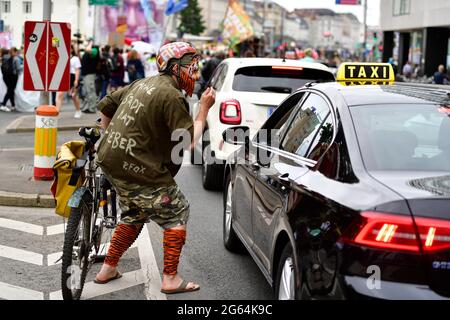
<point x="248" y="90"/>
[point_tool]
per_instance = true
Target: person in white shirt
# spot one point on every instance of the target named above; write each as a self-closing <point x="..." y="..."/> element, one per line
<point x="408" y="69"/>
<point x="75" y="71"/>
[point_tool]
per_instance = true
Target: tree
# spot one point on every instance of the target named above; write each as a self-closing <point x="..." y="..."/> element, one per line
<point x="191" y="20"/>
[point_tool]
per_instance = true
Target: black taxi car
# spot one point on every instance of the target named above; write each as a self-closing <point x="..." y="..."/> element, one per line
<point x="344" y="193"/>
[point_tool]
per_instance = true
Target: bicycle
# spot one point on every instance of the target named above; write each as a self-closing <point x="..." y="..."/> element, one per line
<point x="86" y="225"/>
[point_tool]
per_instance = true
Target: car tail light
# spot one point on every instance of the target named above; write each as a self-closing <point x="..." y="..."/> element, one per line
<point x="398" y="233"/>
<point x="434" y="234"/>
<point x="230" y="112"/>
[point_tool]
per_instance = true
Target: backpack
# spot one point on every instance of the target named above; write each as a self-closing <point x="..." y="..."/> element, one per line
<point x="104" y="68"/>
<point x="8" y="67"/>
<point x="68" y="177"/>
<point x="114" y="63"/>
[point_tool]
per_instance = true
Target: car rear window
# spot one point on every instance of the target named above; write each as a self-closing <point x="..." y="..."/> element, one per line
<point x="403" y="137"/>
<point x="276" y="79"/>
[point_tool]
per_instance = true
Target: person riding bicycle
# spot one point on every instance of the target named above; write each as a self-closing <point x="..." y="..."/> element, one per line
<point x="135" y="155"/>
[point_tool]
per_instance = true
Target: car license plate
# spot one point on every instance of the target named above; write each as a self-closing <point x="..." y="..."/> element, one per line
<point x="270" y="111"/>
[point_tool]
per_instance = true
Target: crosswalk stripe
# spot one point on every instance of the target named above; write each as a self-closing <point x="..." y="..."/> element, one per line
<point x="53" y="259"/>
<point x="148" y="275"/>
<point x="21" y="226"/>
<point x="56" y="229"/>
<point x="21" y="255"/>
<point x="10" y="292"/>
<point x="149" y="267"/>
<point x="92" y="290"/>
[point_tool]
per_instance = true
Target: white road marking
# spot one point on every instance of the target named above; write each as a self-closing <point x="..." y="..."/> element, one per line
<point x="17" y="149"/>
<point x="21" y="226"/>
<point x="148" y="275"/>
<point x="56" y="229"/>
<point x="92" y="290"/>
<point x="52" y="259"/>
<point x="152" y="278"/>
<point x="10" y="292"/>
<point x="21" y="255"/>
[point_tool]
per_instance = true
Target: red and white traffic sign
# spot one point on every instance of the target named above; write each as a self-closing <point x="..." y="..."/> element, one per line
<point x="47" y="56"/>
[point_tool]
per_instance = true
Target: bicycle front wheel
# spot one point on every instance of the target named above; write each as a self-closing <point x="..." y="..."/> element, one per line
<point x="76" y="252"/>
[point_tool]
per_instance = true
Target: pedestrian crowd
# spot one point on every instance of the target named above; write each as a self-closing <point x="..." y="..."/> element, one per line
<point x="94" y="72"/>
<point x="97" y="70"/>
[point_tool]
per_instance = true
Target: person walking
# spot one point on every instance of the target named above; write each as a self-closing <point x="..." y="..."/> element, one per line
<point x="89" y="63"/>
<point x="208" y="71"/>
<point x="11" y="68"/>
<point x="135" y="67"/>
<point x="75" y="71"/>
<point x="440" y="77"/>
<point x="135" y="155"/>
<point x="118" y="70"/>
<point x="104" y="70"/>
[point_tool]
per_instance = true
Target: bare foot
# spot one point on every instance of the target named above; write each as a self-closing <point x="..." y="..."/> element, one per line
<point x="175" y="284"/>
<point x="106" y="272"/>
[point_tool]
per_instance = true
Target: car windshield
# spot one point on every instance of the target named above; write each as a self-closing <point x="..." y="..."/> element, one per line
<point x="403" y="137"/>
<point x="276" y="79"/>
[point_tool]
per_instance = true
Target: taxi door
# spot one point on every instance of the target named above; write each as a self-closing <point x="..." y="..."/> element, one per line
<point x="286" y="164"/>
<point x="247" y="168"/>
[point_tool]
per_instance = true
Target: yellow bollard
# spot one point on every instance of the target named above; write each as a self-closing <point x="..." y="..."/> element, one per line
<point x="45" y="139"/>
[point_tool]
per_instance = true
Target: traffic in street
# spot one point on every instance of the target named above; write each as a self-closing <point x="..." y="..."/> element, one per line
<point x="31" y="271"/>
<point x="205" y="153"/>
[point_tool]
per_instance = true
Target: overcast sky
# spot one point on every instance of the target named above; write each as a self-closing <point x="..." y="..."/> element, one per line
<point x="373" y="16"/>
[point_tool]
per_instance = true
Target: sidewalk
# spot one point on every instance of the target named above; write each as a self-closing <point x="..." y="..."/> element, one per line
<point x="17" y="186"/>
<point x="66" y="122"/>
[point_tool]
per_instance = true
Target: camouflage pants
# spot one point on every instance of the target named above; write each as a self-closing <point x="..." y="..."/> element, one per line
<point x="166" y="206"/>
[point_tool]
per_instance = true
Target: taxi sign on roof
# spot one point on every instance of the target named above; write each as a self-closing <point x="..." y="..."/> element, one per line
<point x="366" y="73"/>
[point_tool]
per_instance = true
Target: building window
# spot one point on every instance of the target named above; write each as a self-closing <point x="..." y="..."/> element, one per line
<point x="27" y="7"/>
<point x="402" y="7"/>
<point x="6" y="6"/>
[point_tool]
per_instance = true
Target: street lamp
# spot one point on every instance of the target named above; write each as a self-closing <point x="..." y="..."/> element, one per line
<point x="44" y="97"/>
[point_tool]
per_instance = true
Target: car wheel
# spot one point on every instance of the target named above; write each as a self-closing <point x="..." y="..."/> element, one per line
<point x="285" y="288"/>
<point x="230" y="239"/>
<point x="212" y="174"/>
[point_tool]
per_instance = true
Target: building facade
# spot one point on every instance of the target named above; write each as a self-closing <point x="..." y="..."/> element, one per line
<point x="213" y="12"/>
<point x="418" y="31"/>
<point x="332" y="31"/>
<point x="14" y="13"/>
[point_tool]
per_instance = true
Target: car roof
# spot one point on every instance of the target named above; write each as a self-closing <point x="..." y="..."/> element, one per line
<point x="249" y="62"/>
<point x="397" y="93"/>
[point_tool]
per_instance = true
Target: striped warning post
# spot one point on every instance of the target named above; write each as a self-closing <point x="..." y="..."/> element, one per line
<point x="45" y="138"/>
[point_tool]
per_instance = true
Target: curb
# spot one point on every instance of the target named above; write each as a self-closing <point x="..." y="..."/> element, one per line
<point x="14" y="199"/>
<point x="27" y="130"/>
<point x="27" y="127"/>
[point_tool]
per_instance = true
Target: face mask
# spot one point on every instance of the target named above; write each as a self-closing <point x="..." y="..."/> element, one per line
<point x="188" y="76"/>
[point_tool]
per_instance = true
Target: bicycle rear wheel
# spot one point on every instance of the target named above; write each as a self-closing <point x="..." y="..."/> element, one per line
<point x="76" y="252"/>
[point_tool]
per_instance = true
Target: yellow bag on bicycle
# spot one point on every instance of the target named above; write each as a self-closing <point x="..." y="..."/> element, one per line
<point x="67" y="177"/>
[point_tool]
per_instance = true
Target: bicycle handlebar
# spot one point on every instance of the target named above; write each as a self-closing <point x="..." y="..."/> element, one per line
<point x="92" y="135"/>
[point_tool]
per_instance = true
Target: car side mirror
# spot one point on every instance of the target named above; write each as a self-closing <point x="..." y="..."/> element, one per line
<point x="237" y="136"/>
